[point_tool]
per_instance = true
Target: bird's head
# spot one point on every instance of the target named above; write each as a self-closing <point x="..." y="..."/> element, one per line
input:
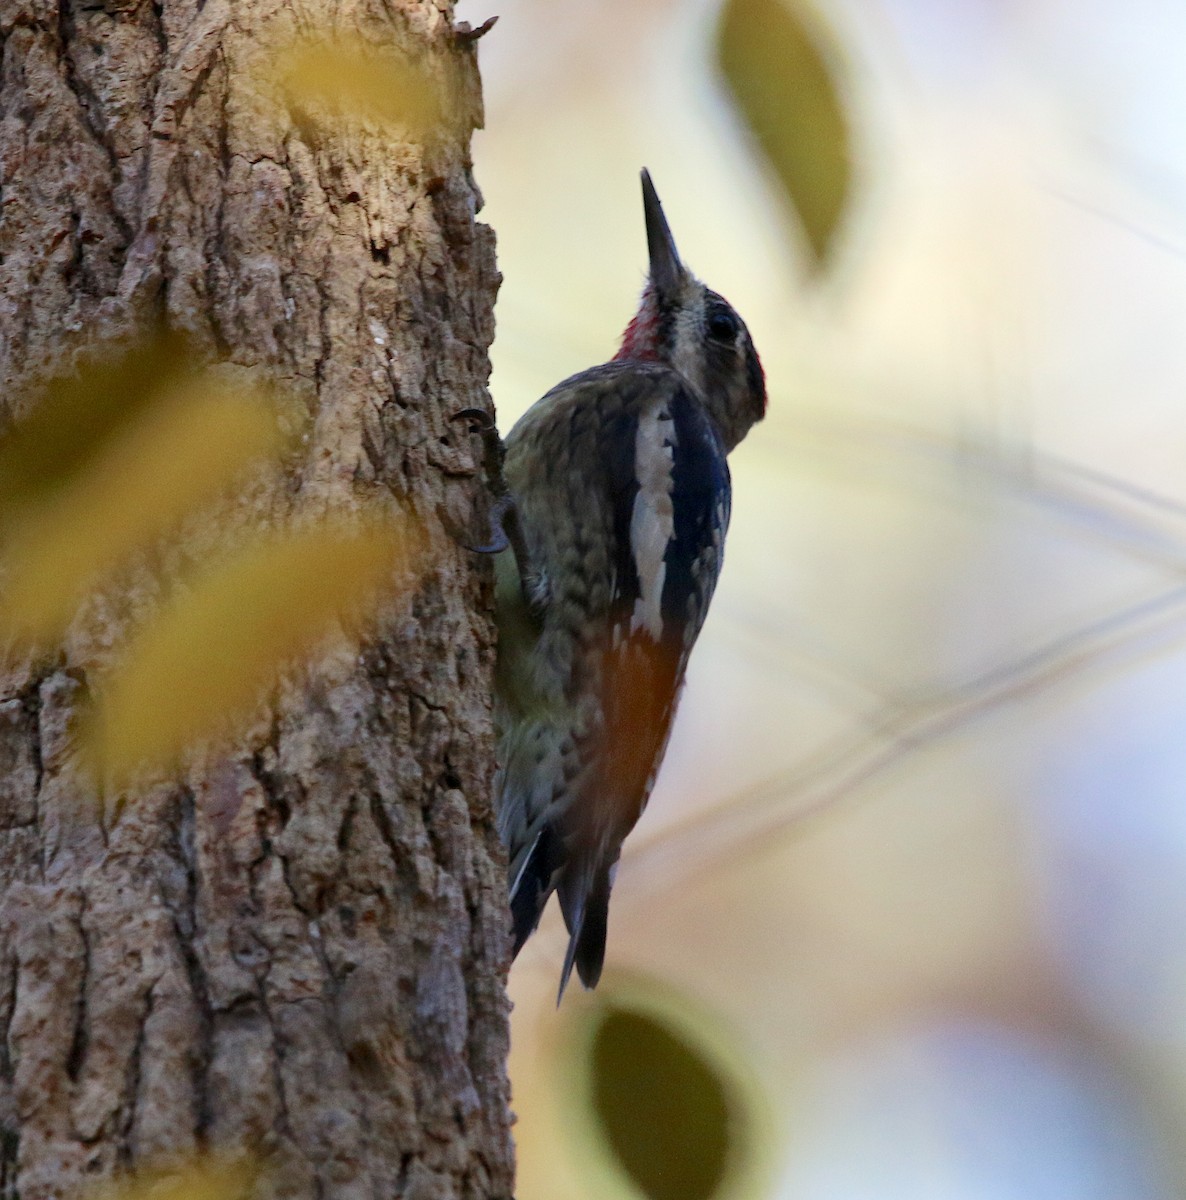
<point x="687" y="326"/>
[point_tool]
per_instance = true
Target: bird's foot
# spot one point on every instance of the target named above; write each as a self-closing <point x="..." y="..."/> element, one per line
<point x="482" y="423"/>
<point x="506" y="529"/>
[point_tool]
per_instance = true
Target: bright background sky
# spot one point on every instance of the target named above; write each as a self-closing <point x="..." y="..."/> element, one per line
<point x="918" y="851"/>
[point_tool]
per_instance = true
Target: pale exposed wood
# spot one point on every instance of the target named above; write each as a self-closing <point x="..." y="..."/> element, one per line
<point x="301" y="948"/>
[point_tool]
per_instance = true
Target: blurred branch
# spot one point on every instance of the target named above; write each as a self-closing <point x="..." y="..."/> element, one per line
<point x="752" y="820"/>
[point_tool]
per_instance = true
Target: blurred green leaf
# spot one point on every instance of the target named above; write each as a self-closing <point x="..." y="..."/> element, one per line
<point x="787" y="96"/>
<point x="662" y="1106"/>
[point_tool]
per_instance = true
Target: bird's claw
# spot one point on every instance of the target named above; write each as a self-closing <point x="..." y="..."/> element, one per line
<point x="505" y="525"/>
<point x="502" y="510"/>
<point x="498" y="515"/>
<point x="482" y="420"/>
<point x="482" y="423"/>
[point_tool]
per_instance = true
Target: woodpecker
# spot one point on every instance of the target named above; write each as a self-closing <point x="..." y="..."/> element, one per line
<point x="615" y="499"/>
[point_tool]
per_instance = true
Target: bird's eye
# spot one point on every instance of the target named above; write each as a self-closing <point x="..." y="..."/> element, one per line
<point x="722" y="325"/>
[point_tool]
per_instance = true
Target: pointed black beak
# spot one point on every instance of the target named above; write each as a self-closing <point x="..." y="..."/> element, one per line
<point x="667" y="272"/>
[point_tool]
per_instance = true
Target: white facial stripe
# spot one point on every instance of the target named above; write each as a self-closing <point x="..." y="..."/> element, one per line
<point x="652" y="522"/>
<point x="687" y="351"/>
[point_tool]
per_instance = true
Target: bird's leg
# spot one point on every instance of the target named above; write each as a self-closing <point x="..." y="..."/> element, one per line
<point x="505" y="526"/>
<point x="503" y="513"/>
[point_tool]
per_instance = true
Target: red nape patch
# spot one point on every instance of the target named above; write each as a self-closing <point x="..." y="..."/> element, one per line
<point x="641" y="339"/>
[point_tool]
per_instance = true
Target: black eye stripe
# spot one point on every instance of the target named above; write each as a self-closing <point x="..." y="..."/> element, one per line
<point x="721" y="323"/>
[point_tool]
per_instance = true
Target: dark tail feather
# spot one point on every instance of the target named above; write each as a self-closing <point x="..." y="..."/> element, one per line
<point x="530" y="891"/>
<point x="590" y="955"/>
<point x="585" y="904"/>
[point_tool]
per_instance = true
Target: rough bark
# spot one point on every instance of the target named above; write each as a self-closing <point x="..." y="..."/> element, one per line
<point x="298" y="949"/>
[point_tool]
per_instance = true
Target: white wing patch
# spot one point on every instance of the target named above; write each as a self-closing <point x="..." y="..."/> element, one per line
<point x="652" y="522"/>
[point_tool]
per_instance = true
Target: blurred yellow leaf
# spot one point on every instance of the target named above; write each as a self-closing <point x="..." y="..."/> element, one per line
<point x="787" y="96"/>
<point x="212" y="652"/>
<point x="209" y="1178"/>
<point x="359" y="80"/>
<point x="79" y="412"/>
<point x="139" y="483"/>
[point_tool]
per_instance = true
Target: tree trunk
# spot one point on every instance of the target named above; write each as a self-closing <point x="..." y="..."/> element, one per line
<point x="299" y="949"/>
